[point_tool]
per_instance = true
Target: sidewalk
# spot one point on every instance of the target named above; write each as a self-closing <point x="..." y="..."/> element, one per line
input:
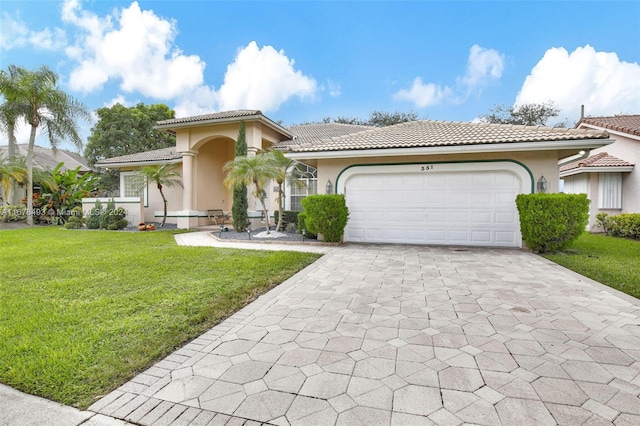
<point x="20" y="409"/>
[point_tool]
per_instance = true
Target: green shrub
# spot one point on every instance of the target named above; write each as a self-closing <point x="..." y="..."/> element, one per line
<point x="75" y="220"/>
<point x="302" y="225"/>
<point x="11" y="213"/>
<point x="327" y="215"/>
<point x="550" y="222"/>
<point x="112" y="218"/>
<point x="93" y="221"/>
<point x="626" y="225"/>
<point x="288" y="217"/>
<point x="604" y="222"/>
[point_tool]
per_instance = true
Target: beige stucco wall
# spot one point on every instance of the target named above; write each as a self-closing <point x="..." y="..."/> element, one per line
<point x="539" y="163"/>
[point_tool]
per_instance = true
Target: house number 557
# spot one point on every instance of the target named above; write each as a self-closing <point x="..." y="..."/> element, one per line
<point x="426" y="168"/>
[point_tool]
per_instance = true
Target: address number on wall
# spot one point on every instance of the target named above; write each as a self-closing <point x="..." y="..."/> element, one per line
<point x="426" y="167"/>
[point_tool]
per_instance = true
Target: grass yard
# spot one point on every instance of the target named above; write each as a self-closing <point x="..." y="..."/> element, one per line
<point x="81" y="312"/>
<point x="611" y="261"/>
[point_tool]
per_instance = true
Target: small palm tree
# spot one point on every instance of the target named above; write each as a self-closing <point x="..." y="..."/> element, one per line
<point x="11" y="170"/>
<point x="283" y="166"/>
<point x="35" y="97"/>
<point x="257" y="170"/>
<point x="163" y="175"/>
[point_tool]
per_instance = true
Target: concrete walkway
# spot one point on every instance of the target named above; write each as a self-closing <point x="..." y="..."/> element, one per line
<point x="402" y="335"/>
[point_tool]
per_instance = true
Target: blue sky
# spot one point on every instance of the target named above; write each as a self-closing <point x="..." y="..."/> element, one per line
<point x="302" y="61"/>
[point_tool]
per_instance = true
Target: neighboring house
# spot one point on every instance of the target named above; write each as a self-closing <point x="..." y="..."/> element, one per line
<point x="48" y="159"/>
<point x="422" y="182"/>
<point x="609" y="176"/>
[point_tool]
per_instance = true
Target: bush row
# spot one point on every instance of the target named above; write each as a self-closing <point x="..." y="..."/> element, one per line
<point x="110" y="218"/>
<point x="625" y="225"/>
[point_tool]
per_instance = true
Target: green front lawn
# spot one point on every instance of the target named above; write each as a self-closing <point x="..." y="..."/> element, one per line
<point x="81" y="312"/>
<point x="611" y="261"/>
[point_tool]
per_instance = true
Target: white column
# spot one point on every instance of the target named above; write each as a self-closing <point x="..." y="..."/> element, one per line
<point x="185" y="221"/>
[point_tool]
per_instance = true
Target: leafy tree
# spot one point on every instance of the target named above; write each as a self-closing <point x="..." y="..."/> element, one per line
<point x="12" y="169"/>
<point x="257" y="170"/>
<point x="377" y="118"/>
<point x="123" y="131"/>
<point x="527" y="114"/>
<point x="35" y="97"/>
<point x="162" y="175"/>
<point x="240" y="204"/>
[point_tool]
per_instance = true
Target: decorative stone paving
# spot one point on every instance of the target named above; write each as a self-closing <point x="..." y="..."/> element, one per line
<point x="402" y="335"/>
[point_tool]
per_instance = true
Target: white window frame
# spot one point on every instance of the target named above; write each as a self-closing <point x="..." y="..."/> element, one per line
<point x="610" y="190"/>
<point x="129" y="176"/>
<point x="306" y="174"/>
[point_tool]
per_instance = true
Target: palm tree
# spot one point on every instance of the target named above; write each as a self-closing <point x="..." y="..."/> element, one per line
<point x="8" y="121"/>
<point x="35" y="97"/>
<point x="283" y="167"/>
<point x="11" y="170"/>
<point x="163" y="175"/>
<point x="257" y="170"/>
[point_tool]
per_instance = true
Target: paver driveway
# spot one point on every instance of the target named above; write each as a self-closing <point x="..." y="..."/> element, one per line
<point x="381" y="335"/>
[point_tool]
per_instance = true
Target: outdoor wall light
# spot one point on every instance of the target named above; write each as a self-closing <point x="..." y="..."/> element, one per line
<point x="543" y="185"/>
<point x="329" y="187"/>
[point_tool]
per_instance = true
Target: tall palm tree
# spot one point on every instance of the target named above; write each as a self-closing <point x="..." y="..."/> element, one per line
<point x="284" y="167"/>
<point x="258" y="170"/>
<point x="162" y="175"/>
<point x="8" y="121"/>
<point x="11" y="170"/>
<point x="35" y="97"/>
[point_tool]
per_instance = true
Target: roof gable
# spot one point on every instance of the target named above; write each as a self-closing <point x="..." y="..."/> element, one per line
<point x="629" y="124"/>
<point x="601" y="159"/>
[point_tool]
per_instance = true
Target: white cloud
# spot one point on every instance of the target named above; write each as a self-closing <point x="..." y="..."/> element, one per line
<point x="423" y="95"/>
<point x="483" y="67"/>
<point x="335" y="88"/>
<point x="14" y="33"/>
<point x="263" y="78"/>
<point x="599" y="80"/>
<point x="133" y="46"/>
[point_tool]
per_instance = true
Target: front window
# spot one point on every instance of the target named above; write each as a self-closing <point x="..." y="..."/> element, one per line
<point x="610" y="191"/>
<point x="131" y="186"/>
<point x="307" y="177"/>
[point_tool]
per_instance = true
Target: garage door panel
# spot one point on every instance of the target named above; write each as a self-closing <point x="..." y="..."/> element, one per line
<point x="459" y="208"/>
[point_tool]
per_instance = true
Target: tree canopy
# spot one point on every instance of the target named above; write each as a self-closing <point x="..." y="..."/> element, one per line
<point x="122" y="131"/>
<point x="377" y="118"/>
<point x="532" y="114"/>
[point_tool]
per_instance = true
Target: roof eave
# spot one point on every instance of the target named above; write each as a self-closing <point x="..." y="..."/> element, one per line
<point x="170" y="128"/>
<point x="137" y="163"/>
<point x="601" y="169"/>
<point x="455" y="149"/>
<point x="611" y="131"/>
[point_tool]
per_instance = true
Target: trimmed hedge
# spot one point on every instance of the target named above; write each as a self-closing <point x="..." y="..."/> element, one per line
<point x="327" y="215"/>
<point x="626" y="225"/>
<point x="302" y="224"/>
<point x="550" y="222"/>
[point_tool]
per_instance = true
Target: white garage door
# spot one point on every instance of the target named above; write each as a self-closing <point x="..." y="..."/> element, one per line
<point x="440" y="205"/>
